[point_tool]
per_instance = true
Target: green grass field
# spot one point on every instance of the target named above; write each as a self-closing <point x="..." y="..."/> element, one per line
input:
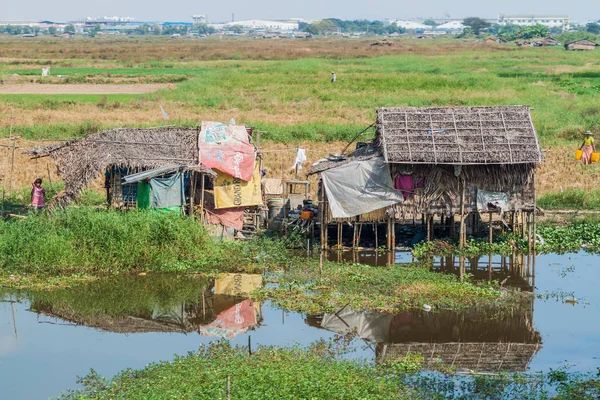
<point x="294" y="100"/>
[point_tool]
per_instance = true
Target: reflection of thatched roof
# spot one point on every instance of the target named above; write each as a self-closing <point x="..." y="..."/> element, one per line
<point x="80" y="161"/>
<point x="508" y="357"/>
<point x="457" y="135"/>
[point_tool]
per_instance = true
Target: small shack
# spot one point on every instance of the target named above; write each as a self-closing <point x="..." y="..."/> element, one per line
<point x="166" y="168"/>
<point x="474" y="164"/>
<point x="581" y="44"/>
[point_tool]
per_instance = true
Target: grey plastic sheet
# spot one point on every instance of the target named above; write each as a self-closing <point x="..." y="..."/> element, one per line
<point x="360" y="187"/>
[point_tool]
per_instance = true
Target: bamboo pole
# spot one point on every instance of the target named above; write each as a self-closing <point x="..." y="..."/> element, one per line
<point x="491" y="228"/>
<point x="462" y="213"/>
<point x="202" y="198"/>
<point x="192" y="192"/>
<point x="428" y="222"/>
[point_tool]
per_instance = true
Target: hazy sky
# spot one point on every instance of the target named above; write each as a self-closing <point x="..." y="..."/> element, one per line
<point x="221" y="10"/>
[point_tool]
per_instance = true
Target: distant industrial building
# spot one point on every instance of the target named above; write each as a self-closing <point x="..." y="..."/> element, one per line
<point x="551" y="21"/>
<point x="265" y="25"/>
<point x="199" y="19"/>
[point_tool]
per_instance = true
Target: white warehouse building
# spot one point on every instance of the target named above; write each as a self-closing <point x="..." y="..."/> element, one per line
<point x="286" y="26"/>
<point x="551" y="21"/>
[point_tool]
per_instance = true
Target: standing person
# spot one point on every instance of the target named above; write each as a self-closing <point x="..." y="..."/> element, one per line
<point x="333" y="77"/>
<point x="588" y="148"/>
<point x="38" y="195"/>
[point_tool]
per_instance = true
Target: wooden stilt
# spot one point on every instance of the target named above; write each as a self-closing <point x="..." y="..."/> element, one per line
<point x="428" y="222"/>
<point x="192" y="192"/>
<point x="490" y="267"/>
<point x="360" y="226"/>
<point x="376" y="236"/>
<point x="388" y="236"/>
<point x="354" y="233"/>
<point x="202" y="198"/>
<point x="339" y="236"/>
<point x="491" y="228"/>
<point x="393" y="227"/>
<point x="462" y="240"/>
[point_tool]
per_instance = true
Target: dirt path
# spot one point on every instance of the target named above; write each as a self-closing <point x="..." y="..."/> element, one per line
<point x="29" y="88"/>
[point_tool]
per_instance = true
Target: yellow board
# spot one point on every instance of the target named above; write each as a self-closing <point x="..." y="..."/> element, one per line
<point x="237" y="284"/>
<point x="234" y="192"/>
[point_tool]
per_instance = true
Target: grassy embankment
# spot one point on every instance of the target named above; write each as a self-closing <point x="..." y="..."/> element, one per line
<point x="283" y="88"/>
<point x="315" y="373"/>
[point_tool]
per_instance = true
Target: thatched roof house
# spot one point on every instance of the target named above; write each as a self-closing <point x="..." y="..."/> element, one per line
<point x="133" y="149"/>
<point x="446" y="161"/>
<point x="581" y="44"/>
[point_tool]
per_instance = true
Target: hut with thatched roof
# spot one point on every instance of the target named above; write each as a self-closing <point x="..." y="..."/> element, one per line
<point x="581" y="44"/>
<point x="442" y="162"/>
<point x="131" y="157"/>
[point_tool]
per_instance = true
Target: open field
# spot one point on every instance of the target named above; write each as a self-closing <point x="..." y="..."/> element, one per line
<point x="282" y="88"/>
<point x="86" y="89"/>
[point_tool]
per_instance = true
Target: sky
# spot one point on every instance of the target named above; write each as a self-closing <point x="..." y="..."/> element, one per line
<point x="219" y="11"/>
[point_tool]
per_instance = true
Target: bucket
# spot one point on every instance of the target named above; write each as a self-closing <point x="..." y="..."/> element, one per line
<point x="578" y="154"/>
<point x="275" y="206"/>
<point x="595" y="157"/>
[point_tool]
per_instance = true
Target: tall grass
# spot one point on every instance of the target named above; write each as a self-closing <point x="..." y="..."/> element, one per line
<point x="88" y="241"/>
<point x="576" y="199"/>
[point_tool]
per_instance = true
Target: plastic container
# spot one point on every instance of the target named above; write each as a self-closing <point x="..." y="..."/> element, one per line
<point x="595" y="157"/>
<point x="578" y="154"/>
<point x="275" y="207"/>
<point x="305" y="215"/>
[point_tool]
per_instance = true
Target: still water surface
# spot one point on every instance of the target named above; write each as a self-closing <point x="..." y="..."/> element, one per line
<point x="49" y="338"/>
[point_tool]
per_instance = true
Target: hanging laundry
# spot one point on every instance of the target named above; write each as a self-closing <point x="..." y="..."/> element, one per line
<point x="404" y="183"/>
<point x="300" y="158"/>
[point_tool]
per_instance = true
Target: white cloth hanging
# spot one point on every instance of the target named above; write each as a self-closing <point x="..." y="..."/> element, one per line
<point x="300" y="159"/>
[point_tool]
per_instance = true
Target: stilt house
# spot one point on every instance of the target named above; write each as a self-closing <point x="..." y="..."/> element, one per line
<point x="453" y="164"/>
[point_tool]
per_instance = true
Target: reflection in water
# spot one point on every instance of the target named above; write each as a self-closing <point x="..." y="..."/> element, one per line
<point x="516" y="270"/>
<point x="133" y="304"/>
<point x="484" y="340"/>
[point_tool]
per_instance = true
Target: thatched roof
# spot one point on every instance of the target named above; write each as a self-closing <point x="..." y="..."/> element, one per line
<point x="457" y="135"/>
<point x="82" y="160"/>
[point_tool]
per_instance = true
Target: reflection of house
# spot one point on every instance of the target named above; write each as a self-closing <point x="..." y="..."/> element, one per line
<point x="484" y="340"/>
<point x="226" y="311"/>
<point x="581" y="44"/>
<point x="162" y="168"/>
<point x="428" y="163"/>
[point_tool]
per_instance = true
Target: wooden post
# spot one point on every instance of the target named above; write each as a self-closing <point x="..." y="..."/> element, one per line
<point x="394" y="234"/>
<point x="389" y="234"/>
<point x="462" y="240"/>
<point x="354" y="233"/>
<point x="490" y="267"/>
<point x="491" y="228"/>
<point x="202" y="198"/>
<point x="452" y="226"/>
<point x="428" y="222"/>
<point x="376" y="237"/>
<point x="339" y="236"/>
<point x="322" y="218"/>
<point x="192" y="192"/>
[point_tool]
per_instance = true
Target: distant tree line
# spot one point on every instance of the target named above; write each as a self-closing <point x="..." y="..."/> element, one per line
<point x="333" y="25"/>
<point x="477" y="26"/>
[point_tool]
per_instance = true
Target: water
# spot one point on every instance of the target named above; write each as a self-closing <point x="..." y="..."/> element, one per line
<point x="132" y="321"/>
